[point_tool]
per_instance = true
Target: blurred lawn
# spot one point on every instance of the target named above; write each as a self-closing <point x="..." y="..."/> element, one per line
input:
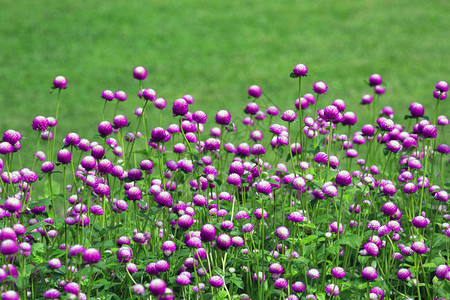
<point x="214" y="50"/>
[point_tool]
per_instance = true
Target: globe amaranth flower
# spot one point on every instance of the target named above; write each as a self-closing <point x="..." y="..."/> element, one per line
<point x="416" y="109"/>
<point x="223" y="117"/>
<point x="180" y="107"/>
<point x="300" y="70"/>
<point x="320" y="87"/>
<point x="375" y="79"/>
<point x="369" y="273"/>
<point x="332" y="289"/>
<point x="289" y="115"/>
<point x="139" y="73"/>
<point x="254" y="91"/>
<point x="157" y="287"/>
<point x="404" y="274"/>
<point x="60" y="82"/>
<point x="442" y="86"/>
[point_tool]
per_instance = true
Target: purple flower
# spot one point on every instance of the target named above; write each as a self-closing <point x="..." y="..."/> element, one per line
<point x="60" y="82"/>
<point x="338" y="272"/>
<point x="298" y="287"/>
<point x="419" y="247"/>
<point x="375" y="79"/>
<point x="223" y="117"/>
<point x="140" y="73"/>
<point x="332" y="290"/>
<point x="91" y="255"/>
<point x="300" y="70"/>
<point x="404" y="274"/>
<point x="442" y="86"/>
<point x="313" y="273"/>
<point x="157" y="287"/>
<point x="282" y="232"/>
<point x="280" y="283"/>
<point x="416" y="109"/>
<point x="223" y="241"/>
<point x="320" y="87"/>
<point x="254" y="91"/>
<point x="216" y="281"/>
<point x="180" y="107"/>
<point x="108" y="95"/>
<point x="366" y="99"/>
<point x="369" y="273"/>
<point x="289" y="116"/>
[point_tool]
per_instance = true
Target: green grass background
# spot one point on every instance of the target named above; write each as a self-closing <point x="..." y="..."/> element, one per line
<point x="214" y="50"/>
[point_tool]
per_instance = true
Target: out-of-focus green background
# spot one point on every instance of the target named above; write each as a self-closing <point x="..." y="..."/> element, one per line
<point x="214" y="50"/>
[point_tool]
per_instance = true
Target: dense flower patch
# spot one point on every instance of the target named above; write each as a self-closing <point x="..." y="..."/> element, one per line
<point x="300" y="204"/>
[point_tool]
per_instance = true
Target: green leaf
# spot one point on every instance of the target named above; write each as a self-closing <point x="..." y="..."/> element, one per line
<point x="333" y="249"/>
<point x="237" y="281"/>
<point x="438" y="241"/>
<point x="308" y="239"/>
<point x="351" y="240"/>
<point x="55" y="188"/>
<point x="40" y="202"/>
<point x="293" y="75"/>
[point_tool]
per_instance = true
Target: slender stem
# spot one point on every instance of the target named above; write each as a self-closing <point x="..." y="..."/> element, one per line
<point x="56" y="117"/>
<point x="135" y="132"/>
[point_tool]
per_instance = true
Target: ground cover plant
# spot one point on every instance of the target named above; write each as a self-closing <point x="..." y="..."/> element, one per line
<point x="301" y="203"/>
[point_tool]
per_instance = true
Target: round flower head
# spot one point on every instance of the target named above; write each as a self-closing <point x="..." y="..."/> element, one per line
<point x="375" y="79"/>
<point x="338" y="272"/>
<point x="350" y="118"/>
<point x="120" y="121"/>
<point x="47" y="167"/>
<point x="379" y="90"/>
<point x="416" y="109"/>
<point x="272" y="111"/>
<point x="366" y="99"/>
<point x="223" y="117"/>
<point x="330" y="113"/>
<point x="282" y="232"/>
<point x="298" y="287"/>
<point x="108" y="95"/>
<point x="157" y="287"/>
<point x="60" y="82"/>
<point x="442" y="120"/>
<point x="254" y="91"/>
<point x="289" y="116"/>
<point x="8" y="247"/>
<point x="264" y="187"/>
<point x="280" y="283"/>
<point x="404" y="274"/>
<point x="332" y="290"/>
<point x="140" y="73"/>
<point x="64" y="156"/>
<point x="442" y="271"/>
<point x="437" y="94"/>
<point x="369" y="273"/>
<point x="343" y="178"/>
<point x="442" y="86"/>
<point x="40" y="123"/>
<point x="88" y="162"/>
<point x="300" y="70"/>
<point x="105" y="128"/>
<point x="313" y="273"/>
<point x="120" y="96"/>
<point x="419" y="247"/>
<point x="394" y="146"/>
<point x="180" y="107"/>
<point x="149" y="94"/>
<point x="429" y="131"/>
<point x="91" y="255"/>
<point x="223" y="241"/>
<point x="320" y="87"/>
<point x="252" y="108"/>
<point x="216" y="281"/>
<point x="199" y="117"/>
